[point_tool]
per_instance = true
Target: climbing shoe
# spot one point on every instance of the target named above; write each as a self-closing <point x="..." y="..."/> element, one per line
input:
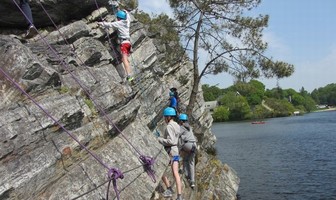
<point x="31" y="32"/>
<point x="181" y="171"/>
<point x="130" y="78"/>
<point x="179" y="198"/>
<point x="167" y="193"/>
<point x="192" y="184"/>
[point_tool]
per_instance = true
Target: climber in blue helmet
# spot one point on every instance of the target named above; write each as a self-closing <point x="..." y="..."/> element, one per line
<point x="187" y="147"/>
<point x="170" y="142"/>
<point x="122" y="25"/>
<point x="172" y="99"/>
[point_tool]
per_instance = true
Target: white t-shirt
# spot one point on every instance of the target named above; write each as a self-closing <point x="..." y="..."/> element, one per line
<point x="122" y="26"/>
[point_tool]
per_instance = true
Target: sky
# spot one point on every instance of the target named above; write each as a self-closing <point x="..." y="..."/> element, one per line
<point x="299" y="32"/>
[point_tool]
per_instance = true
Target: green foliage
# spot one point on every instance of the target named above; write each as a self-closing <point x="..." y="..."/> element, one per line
<point x="254" y="99"/>
<point x="254" y="91"/>
<point x="143" y="18"/>
<point x="309" y="104"/>
<point x="64" y="90"/>
<point x="211" y="93"/>
<point x="325" y="95"/>
<point x="231" y="40"/>
<point x="300" y="99"/>
<point x="276" y="93"/>
<point x="216" y="28"/>
<point x="260" y="112"/>
<point x="237" y="100"/>
<point x="162" y="28"/>
<point x="282" y="107"/>
<point x="221" y="114"/>
<point x="91" y="105"/>
<point x="245" y="100"/>
<point x="130" y="4"/>
<point x="297" y="99"/>
<point x="300" y="108"/>
<point x="238" y="106"/>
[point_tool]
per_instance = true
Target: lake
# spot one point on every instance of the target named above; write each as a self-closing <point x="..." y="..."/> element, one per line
<point x="290" y="158"/>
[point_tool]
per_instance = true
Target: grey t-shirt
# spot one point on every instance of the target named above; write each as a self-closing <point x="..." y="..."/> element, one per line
<point x="170" y="137"/>
<point x="186" y="134"/>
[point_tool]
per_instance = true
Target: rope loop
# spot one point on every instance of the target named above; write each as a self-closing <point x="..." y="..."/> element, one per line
<point x="113" y="175"/>
<point x="148" y="163"/>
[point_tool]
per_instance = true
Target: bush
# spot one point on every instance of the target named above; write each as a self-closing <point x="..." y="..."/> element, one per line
<point x="221" y="114"/>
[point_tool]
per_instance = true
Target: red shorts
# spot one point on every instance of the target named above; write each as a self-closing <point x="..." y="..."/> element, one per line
<point x="125" y="48"/>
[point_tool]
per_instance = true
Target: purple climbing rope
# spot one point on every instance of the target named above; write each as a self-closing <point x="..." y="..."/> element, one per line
<point x="112" y="172"/>
<point x="113" y="175"/>
<point x="51" y="117"/>
<point x="66" y="41"/>
<point x="66" y="66"/>
<point x="147" y="161"/>
<point x="107" y="34"/>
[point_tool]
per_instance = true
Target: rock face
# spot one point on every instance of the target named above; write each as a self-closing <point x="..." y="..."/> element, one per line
<point x="59" y="10"/>
<point x="75" y="76"/>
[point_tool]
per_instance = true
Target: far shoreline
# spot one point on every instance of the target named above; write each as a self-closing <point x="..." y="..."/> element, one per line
<point x="325" y="110"/>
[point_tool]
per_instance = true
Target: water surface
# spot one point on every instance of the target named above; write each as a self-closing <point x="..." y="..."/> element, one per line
<point x="285" y="158"/>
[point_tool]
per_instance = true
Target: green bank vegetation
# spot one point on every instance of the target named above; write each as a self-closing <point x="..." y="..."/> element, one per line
<point x="246" y="101"/>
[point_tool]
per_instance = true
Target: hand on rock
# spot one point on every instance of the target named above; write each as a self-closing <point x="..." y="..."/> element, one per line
<point x="159" y="139"/>
<point x="114" y="3"/>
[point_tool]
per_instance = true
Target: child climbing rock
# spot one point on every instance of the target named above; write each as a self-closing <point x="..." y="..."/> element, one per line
<point x="170" y="141"/>
<point x="187" y="146"/>
<point x="122" y="25"/>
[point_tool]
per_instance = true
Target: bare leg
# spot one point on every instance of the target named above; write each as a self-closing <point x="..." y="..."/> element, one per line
<point x="175" y="167"/>
<point x="126" y="63"/>
<point x="166" y="181"/>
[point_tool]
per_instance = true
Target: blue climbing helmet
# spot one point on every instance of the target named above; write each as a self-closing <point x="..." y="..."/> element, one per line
<point x="183" y="117"/>
<point x="121" y="14"/>
<point x="169" y="112"/>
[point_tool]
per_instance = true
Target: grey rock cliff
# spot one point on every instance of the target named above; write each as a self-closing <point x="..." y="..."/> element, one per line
<point x="39" y="160"/>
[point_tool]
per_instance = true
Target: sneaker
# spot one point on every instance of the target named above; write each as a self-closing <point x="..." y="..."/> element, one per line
<point x="192" y="185"/>
<point x="31" y="32"/>
<point x="167" y="193"/>
<point x="179" y="198"/>
<point x="181" y="171"/>
<point x="130" y="78"/>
